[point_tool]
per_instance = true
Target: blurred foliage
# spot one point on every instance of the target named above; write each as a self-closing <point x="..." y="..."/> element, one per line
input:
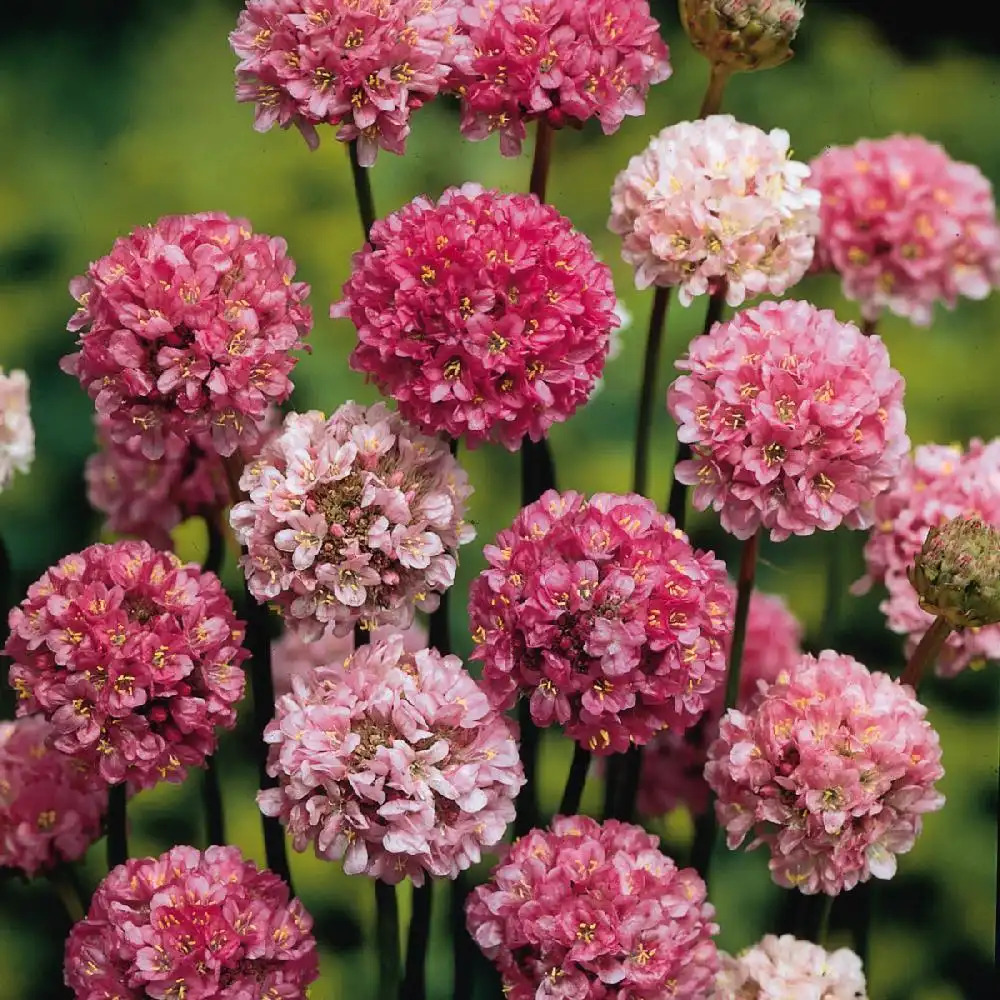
<point x="119" y="121"/>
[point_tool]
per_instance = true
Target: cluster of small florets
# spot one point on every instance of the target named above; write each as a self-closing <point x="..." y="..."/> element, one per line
<point x="17" y="434"/>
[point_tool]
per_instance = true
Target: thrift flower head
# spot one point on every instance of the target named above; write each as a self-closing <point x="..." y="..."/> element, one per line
<point x="905" y="226"/>
<point x="393" y="761"/>
<point x="795" y="421"/>
<point x="560" y="61"/>
<point x="716" y="205"/>
<point x="190" y="925"/>
<point x="361" y="66"/>
<point x="51" y="806"/>
<point x="594" y="911"/>
<point x="604" y="615"/>
<point x="17" y="434"/>
<point x="133" y="656"/>
<point x="485" y="316"/>
<point x="351" y="519"/>
<point x="831" y="767"/>
<point x="187" y="331"/>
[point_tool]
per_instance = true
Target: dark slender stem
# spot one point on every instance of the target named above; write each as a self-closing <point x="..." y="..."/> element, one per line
<point x="705" y="831"/>
<point x="612" y="784"/>
<point x="117" y="823"/>
<point x="823" y="931"/>
<point x="541" y="159"/>
<point x="211" y="792"/>
<point x="216" y="553"/>
<point x="744" y="588"/>
<point x="465" y="952"/>
<point x="862" y="929"/>
<point x="67" y="885"/>
<point x="414" y="985"/>
<point x="926" y="653"/>
<point x="647" y="392"/>
<point x="527" y="799"/>
<point x="438" y="630"/>
<point x="631" y="771"/>
<point x="834" y="586"/>
<point x="712" y="101"/>
<point x="575" y="782"/>
<point x="387" y="940"/>
<point x="362" y="189"/>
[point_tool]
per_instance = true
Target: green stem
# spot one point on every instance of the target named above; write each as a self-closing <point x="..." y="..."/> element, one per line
<point x="387" y="937"/>
<point x="712" y="101"/>
<point x="744" y="588"/>
<point x="466" y="953"/>
<point x="362" y="189"/>
<point x="117" y="825"/>
<point x="823" y="931"/>
<point x="647" y="392"/>
<point x="211" y="793"/>
<point x="216" y="553"/>
<point x="67" y="885"/>
<point x="575" y="782"/>
<point x="834" y="585"/>
<point x="526" y="804"/>
<point x="541" y="160"/>
<point x="414" y="985"/>
<point x="926" y="652"/>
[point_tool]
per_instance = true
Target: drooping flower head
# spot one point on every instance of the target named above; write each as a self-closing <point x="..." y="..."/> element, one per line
<point x="604" y="615"/>
<point x="938" y="483"/>
<point x="393" y="761"/>
<point x="361" y="66"/>
<point x="905" y="226"/>
<point x="594" y="911"/>
<point x="832" y="768"/>
<point x="352" y="519"/>
<point x="17" y="433"/>
<point x="192" y="925"/>
<point x="715" y="204"/>
<point x="559" y="61"/>
<point x="133" y="656"/>
<point x="485" y="316"/>
<point x="187" y="331"/>
<point x="51" y="805"/>
<point x="795" y="421"/>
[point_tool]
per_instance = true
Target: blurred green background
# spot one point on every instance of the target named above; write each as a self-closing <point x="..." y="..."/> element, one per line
<point x="112" y="118"/>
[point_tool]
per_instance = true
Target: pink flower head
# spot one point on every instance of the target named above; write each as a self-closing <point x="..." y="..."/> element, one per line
<point x="560" y="61"/>
<point x="604" y="615"/>
<point x="832" y="768"/>
<point x="485" y="316"/>
<point x="51" y="805"/>
<point x="905" y="226"/>
<point x="393" y="761"/>
<point x="795" y="420"/>
<point x="673" y="766"/>
<point x="187" y="331"/>
<point x="190" y="925"/>
<point x="594" y="911"/>
<point x="352" y="519"/>
<point x="715" y="204"/>
<point x="133" y="656"/>
<point x="938" y="483"/>
<point x="17" y="433"/>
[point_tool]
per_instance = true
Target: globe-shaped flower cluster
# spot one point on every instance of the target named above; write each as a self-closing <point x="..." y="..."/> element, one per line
<point x="17" y="434"/>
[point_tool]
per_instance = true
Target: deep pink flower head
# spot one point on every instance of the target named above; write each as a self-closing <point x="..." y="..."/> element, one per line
<point x="352" y="519"/>
<point x="190" y="925"/>
<point x="561" y="61"/>
<point x="594" y="911"/>
<point x="795" y="420"/>
<point x="17" y="433"/>
<point x="485" y="316"/>
<point x="133" y="656"/>
<point x="715" y="204"/>
<point x="673" y="765"/>
<point x="831" y="767"/>
<point x="51" y="805"/>
<point x="938" y="483"/>
<point x="393" y="761"/>
<point x="187" y="331"/>
<point x="604" y="615"/>
<point x="905" y="226"/>
<point x="361" y="66"/>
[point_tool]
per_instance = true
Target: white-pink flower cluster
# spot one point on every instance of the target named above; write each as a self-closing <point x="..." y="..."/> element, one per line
<point x="17" y="434"/>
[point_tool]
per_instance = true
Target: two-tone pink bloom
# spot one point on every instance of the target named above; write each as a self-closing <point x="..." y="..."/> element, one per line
<point x="17" y="433"/>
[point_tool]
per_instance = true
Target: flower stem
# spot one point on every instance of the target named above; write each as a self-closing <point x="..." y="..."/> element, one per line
<point x="414" y="979"/>
<point x="541" y="159"/>
<point x="823" y="931"/>
<point x="216" y="553"/>
<point x="744" y="588"/>
<point x="526" y="804"/>
<point x="926" y="652"/>
<point x="834" y="585"/>
<point x="211" y="793"/>
<point x="387" y="938"/>
<point x="465" y="954"/>
<point x="650" y="369"/>
<point x="362" y="189"/>
<point x="712" y="101"/>
<point x="66" y="882"/>
<point x="117" y="824"/>
<point x="575" y="782"/>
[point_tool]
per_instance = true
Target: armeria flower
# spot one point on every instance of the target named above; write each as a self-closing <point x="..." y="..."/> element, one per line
<point x="393" y="761"/>
<point x="716" y="205"/>
<point x="905" y="226"/>
<point x="361" y="66"/>
<point x="352" y="519"/>
<point x="832" y="768"/>
<point x="559" y="61"/>
<point x="51" y="806"/>
<point x="594" y="911"/>
<point x="187" y="331"/>
<point x="795" y="420"/>
<point x="777" y="968"/>
<point x="485" y="316"/>
<point x="604" y="615"/>
<point x="133" y="656"/>
<point x="940" y="482"/>
<point x="17" y="434"/>
<point x="190" y="925"/>
<point x="673" y="765"/>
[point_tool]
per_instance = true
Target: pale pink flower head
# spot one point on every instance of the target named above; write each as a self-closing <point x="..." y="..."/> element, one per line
<point x="938" y="483"/>
<point x="133" y="656"/>
<point x="187" y="333"/>
<point x="394" y="762"/>
<point x="594" y="911"/>
<point x="795" y="421"/>
<point x="192" y="925"/>
<point x="905" y="226"/>
<point x="715" y="205"/>
<point x="352" y="519"/>
<point x="51" y="805"/>
<point x="17" y="433"/>
<point x="601" y="613"/>
<point x="832" y="768"/>
<point x="777" y="968"/>
<point x="486" y="316"/>
<point x="559" y="61"/>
